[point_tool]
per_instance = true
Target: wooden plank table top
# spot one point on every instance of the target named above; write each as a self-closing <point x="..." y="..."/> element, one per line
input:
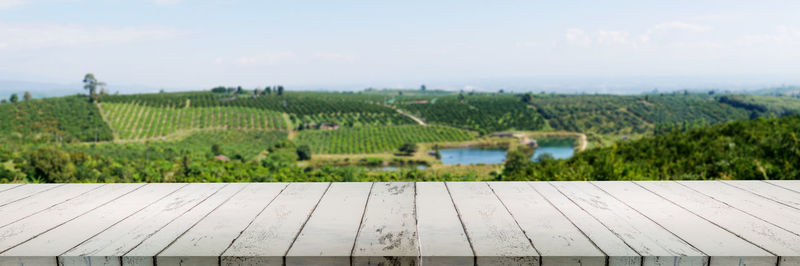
<point x="405" y="223"/>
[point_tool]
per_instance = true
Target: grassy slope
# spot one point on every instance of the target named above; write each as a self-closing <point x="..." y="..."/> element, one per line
<point x="376" y="139"/>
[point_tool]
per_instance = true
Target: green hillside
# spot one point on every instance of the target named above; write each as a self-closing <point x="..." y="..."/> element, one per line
<point x="755" y="149"/>
<point x="65" y="119"/>
<point x="377" y="139"/>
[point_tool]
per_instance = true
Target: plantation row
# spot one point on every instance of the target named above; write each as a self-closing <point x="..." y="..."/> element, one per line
<point x="353" y="119"/>
<point x="299" y="103"/>
<point x="484" y="114"/>
<point x="65" y="119"/>
<point x="236" y="144"/>
<point x="134" y="121"/>
<point x="607" y="114"/>
<point x="376" y="139"/>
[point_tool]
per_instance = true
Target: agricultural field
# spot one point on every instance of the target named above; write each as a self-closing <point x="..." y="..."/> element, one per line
<point x="244" y="144"/>
<point x="764" y="105"/>
<point x="134" y="121"/>
<point x="65" y="119"/>
<point x="303" y="108"/>
<point x="482" y="113"/>
<point x="385" y="139"/>
<point x="610" y="114"/>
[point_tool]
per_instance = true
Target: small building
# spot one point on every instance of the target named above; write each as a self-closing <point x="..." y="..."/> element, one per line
<point x="222" y="158"/>
<point x="502" y="134"/>
<point x="326" y="126"/>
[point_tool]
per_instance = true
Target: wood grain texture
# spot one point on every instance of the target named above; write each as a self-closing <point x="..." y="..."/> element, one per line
<point x="724" y="247"/>
<point x="793" y="185"/>
<point x="768" y="210"/>
<point x="552" y="234"/>
<point x="442" y="239"/>
<point x="388" y="234"/>
<point x="495" y="236"/>
<point x="770" y="191"/>
<point x="70" y="234"/>
<point x="24" y="191"/>
<point x="767" y="236"/>
<point x="27" y="228"/>
<point x="128" y="233"/>
<point x="143" y="254"/>
<point x="41" y="201"/>
<point x="329" y="234"/>
<point x="268" y="238"/>
<point x="4" y="187"/>
<point x="618" y="252"/>
<point x="208" y="239"/>
<point x="649" y="239"/>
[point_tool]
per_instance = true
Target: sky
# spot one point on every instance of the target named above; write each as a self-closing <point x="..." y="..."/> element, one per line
<point x="140" y="45"/>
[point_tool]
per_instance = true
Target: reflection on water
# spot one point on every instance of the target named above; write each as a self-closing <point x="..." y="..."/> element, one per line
<point x="498" y="156"/>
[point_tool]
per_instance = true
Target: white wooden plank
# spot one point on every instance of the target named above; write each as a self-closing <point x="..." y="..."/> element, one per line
<point x="68" y="235"/>
<point x="328" y="236"/>
<point x="724" y="247"/>
<point x="558" y="241"/>
<point x="767" y="236"/>
<point x="793" y="185"/>
<point x="442" y="239"/>
<point x="656" y="244"/>
<point x="770" y="211"/>
<point x="771" y="191"/>
<point x="268" y="238"/>
<point x="144" y="253"/>
<point x="205" y="242"/>
<point x="41" y="201"/>
<point x="388" y="232"/>
<point x="36" y="224"/>
<point x="495" y="236"/>
<point x="123" y="236"/>
<point x="24" y="191"/>
<point x="4" y="187"/>
<point x="618" y="252"/>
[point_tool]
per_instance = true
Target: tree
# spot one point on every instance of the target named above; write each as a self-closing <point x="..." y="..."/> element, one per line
<point x="422" y="88"/>
<point x="303" y="152"/>
<point x="268" y="90"/>
<point x="27" y="96"/>
<point x="53" y="165"/>
<point x="219" y="89"/>
<point x="280" y="90"/>
<point x="527" y="98"/>
<point x="514" y="168"/>
<point x="436" y="152"/>
<point x="90" y="83"/>
<point x="216" y="149"/>
<point x="14" y="98"/>
<point x="408" y="149"/>
<point x="256" y="92"/>
<point x="461" y="96"/>
<point x="239" y="90"/>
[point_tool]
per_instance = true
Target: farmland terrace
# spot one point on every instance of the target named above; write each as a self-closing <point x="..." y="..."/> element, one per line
<point x="457" y="223"/>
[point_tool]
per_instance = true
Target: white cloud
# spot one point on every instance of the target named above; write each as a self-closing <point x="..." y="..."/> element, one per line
<point x="672" y="26"/>
<point x="782" y="34"/>
<point x="578" y="37"/>
<point x="610" y="37"/>
<point x="34" y="36"/>
<point x="11" y="3"/>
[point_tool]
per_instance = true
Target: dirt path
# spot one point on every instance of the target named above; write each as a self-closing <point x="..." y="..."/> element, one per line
<point x="583" y="142"/>
<point x="419" y="121"/>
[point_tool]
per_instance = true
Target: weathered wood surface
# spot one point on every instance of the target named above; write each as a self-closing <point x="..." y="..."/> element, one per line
<point x="437" y="223"/>
<point x="388" y="232"/>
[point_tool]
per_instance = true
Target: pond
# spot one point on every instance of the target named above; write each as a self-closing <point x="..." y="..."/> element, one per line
<point x="558" y="152"/>
<point x="497" y="156"/>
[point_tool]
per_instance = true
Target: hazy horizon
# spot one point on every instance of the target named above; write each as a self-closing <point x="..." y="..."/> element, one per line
<point x="609" y="47"/>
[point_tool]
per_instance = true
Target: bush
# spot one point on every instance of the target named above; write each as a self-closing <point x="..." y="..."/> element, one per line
<point x="53" y="165"/>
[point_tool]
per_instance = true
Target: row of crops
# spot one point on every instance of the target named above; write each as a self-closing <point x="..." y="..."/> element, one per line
<point x="304" y="108"/>
<point x="233" y="143"/>
<point x="353" y="119"/>
<point x="484" y="114"/>
<point x="65" y="119"/>
<point x="132" y="121"/>
<point x="376" y="139"/>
